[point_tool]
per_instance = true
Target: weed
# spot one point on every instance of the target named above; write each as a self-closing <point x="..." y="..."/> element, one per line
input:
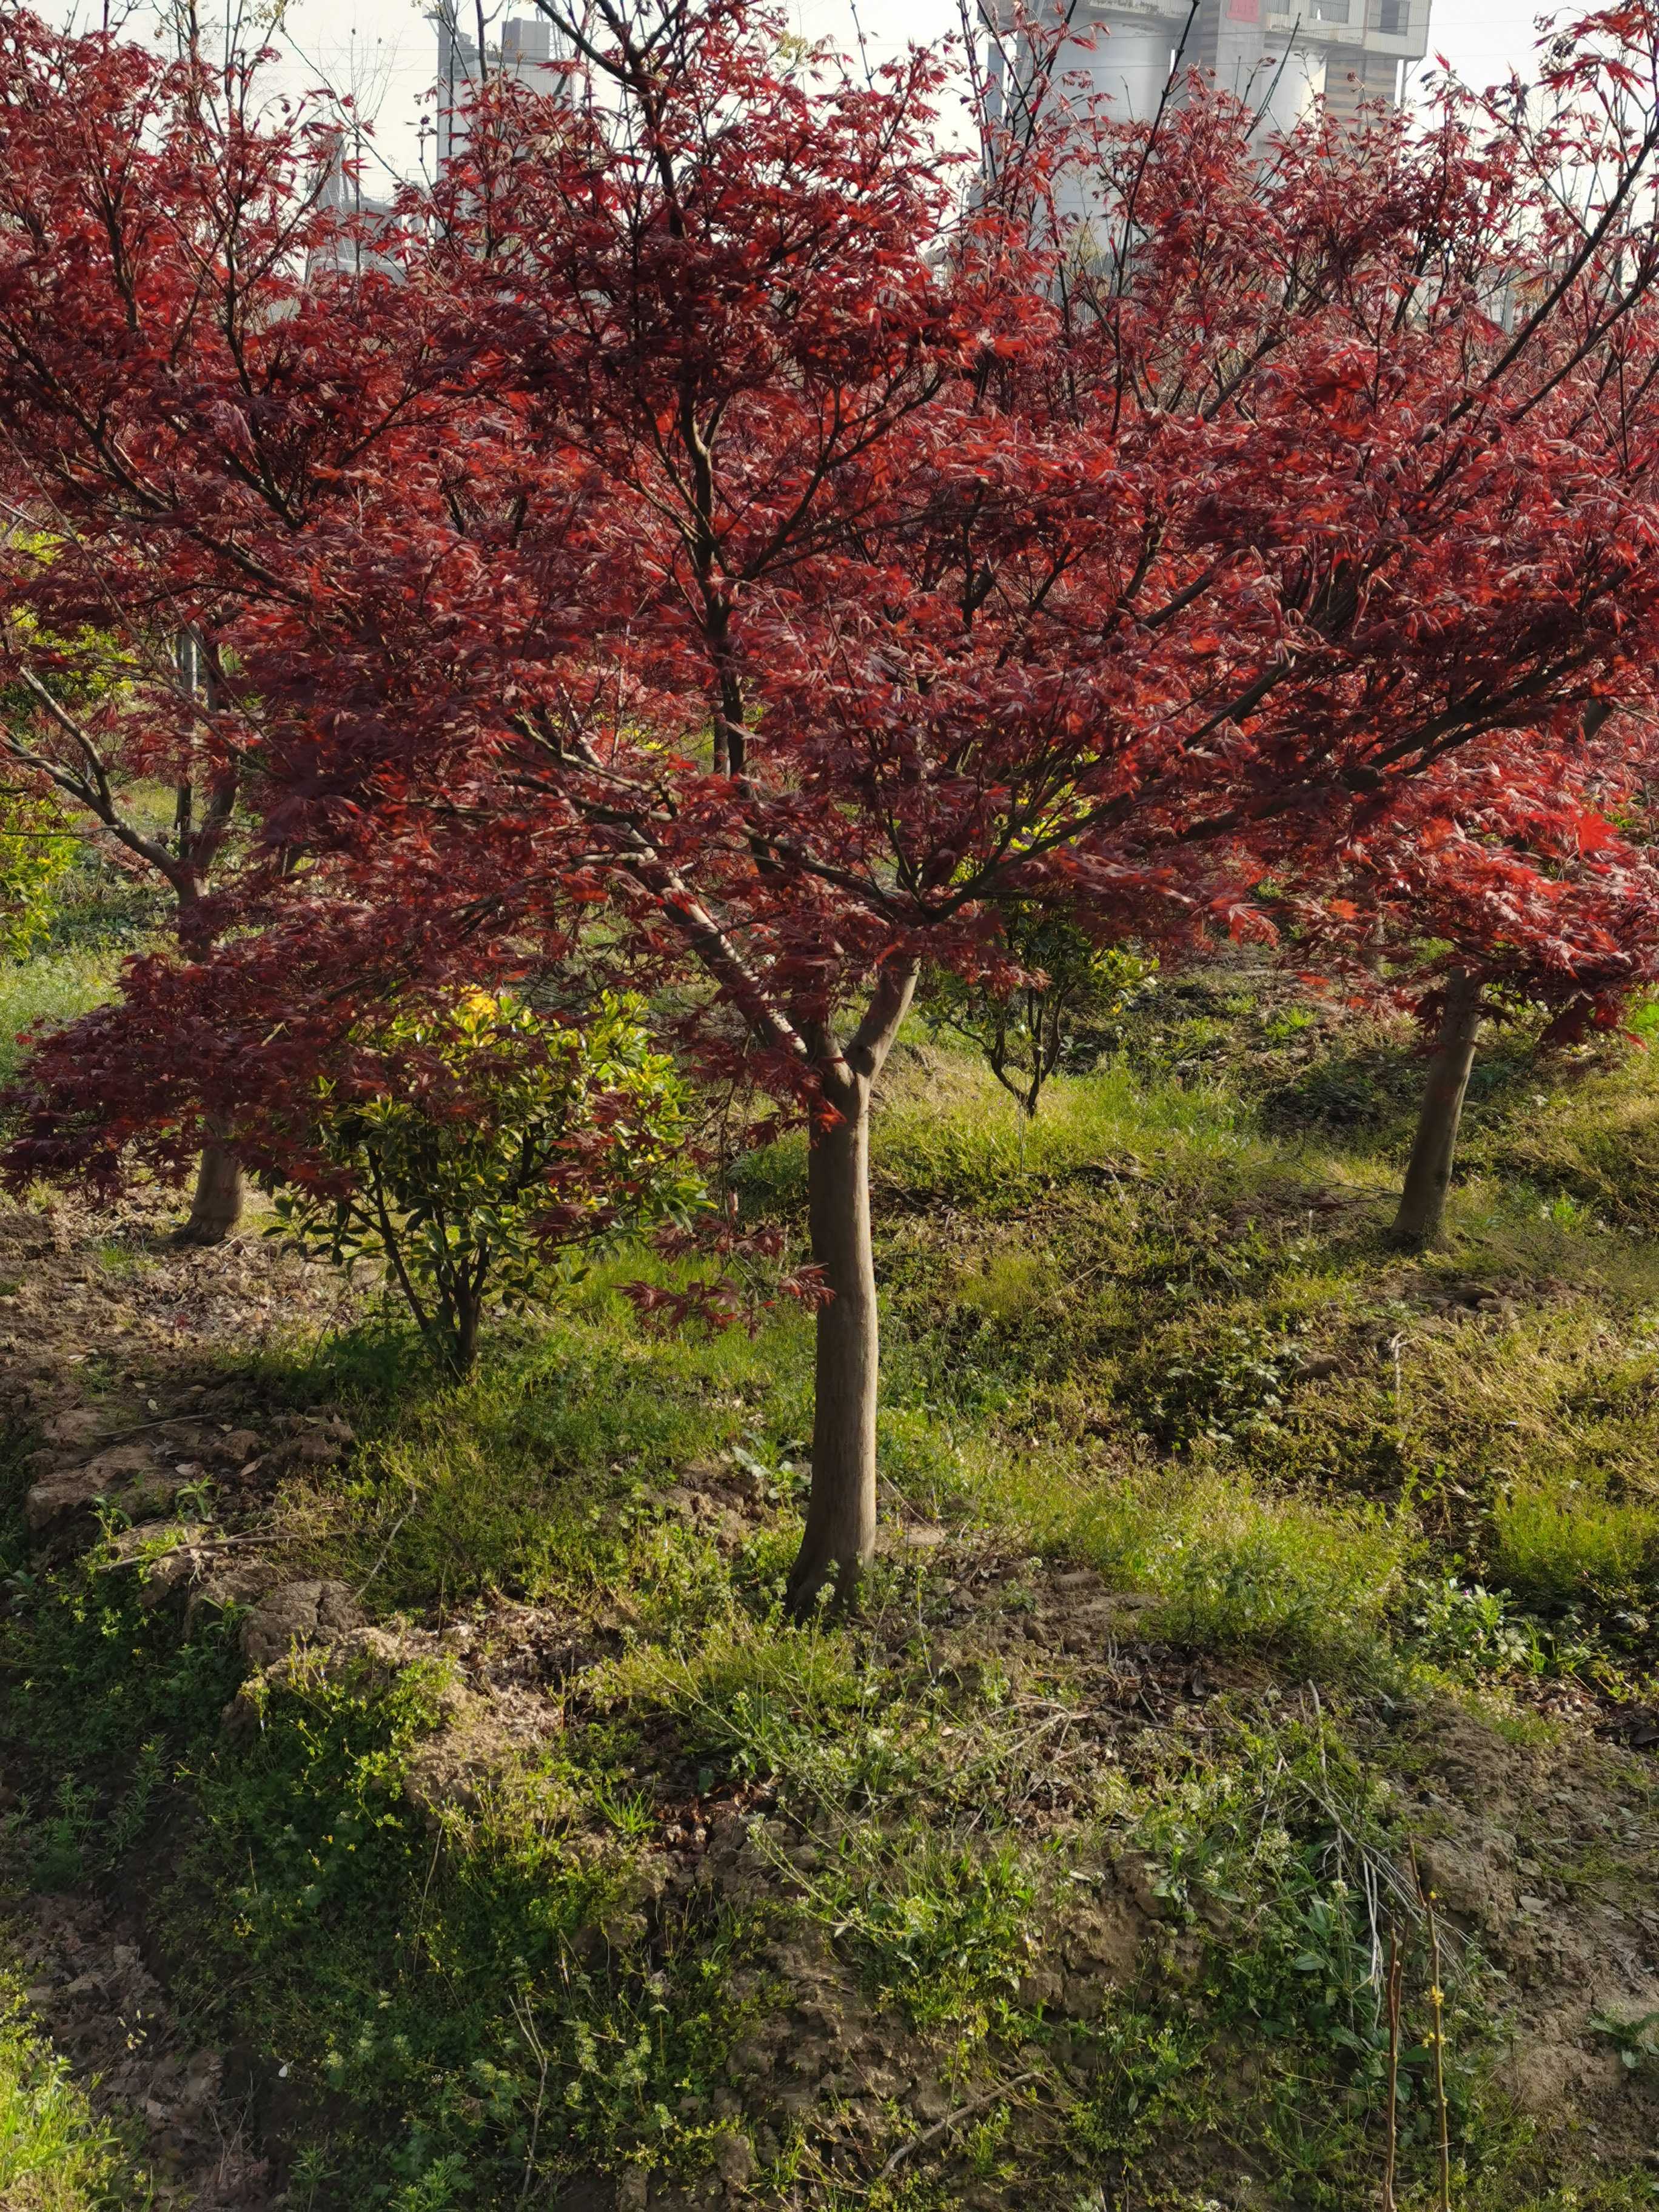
<point x="1476" y="1630"/>
<point x="1636" y="2040"/>
<point x="943" y="1929"/>
<point x="55" y="2154"/>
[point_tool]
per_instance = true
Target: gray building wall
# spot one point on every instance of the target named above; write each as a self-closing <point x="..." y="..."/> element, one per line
<point x="528" y="52"/>
<point x="1282" y="56"/>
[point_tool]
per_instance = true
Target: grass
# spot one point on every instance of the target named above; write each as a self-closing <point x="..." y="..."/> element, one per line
<point x="1563" y="1549"/>
<point x="1210" y="1333"/>
<point x="56" y="2155"/>
<point x="54" y="986"/>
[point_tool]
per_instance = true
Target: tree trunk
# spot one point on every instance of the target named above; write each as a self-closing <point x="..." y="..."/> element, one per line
<point x="216" y="1206"/>
<point x="468" y="1309"/>
<point x="840" y="1514"/>
<point x="1428" y="1176"/>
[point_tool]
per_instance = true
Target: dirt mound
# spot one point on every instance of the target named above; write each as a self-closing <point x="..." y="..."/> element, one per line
<point x="1542" y="1855"/>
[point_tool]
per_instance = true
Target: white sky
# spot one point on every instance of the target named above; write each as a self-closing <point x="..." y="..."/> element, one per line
<point x="386" y="51"/>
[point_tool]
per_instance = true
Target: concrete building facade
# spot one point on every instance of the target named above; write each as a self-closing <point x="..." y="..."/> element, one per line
<point x="1281" y="58"/>
<point x="530" y="52"/>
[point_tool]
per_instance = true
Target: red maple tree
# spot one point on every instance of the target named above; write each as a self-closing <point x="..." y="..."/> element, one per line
<point x="796" y="556"/>
<point x="180" y="402"/>
<point x="1512" y="877"/>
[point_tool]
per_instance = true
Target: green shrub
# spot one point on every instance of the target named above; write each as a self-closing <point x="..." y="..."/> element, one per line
<point x="35" y="852"/>
<point x="1027" y="1031"/>
<point x="477" y="1146"/>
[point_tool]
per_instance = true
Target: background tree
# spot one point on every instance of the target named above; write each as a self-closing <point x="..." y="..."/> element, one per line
<point x="1026" y="1014"/>
<point x="101" y="726"/>
<point x="1505" y="882"/>
<point x="180" y="406"/>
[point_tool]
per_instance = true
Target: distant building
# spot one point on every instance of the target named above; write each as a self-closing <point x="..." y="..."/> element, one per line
<point x="1281" y="58"/>
<point x="530" y="52"/>
<point x="365" y="232"/>
<point x="364" y="237"/>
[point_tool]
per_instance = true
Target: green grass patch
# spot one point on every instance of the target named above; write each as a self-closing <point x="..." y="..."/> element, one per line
<point x="56" y="2154"/>
<point x="52" y="987"/>
<point x="1561" y="1547"/>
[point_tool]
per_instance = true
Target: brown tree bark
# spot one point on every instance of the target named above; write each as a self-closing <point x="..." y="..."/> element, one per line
<point x="1428" y="1174"/>
<point x="216" y="1206"/>
<point x="840" y="1535"/>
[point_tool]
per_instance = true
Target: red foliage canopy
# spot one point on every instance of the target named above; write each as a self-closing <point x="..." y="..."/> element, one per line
<point x="727" y="522"/>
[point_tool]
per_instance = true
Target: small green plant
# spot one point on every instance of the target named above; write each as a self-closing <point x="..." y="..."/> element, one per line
<point x="307" y="2174"/>
<point x="943" y="1929"/>
<point x="1231" y="1389"/>
<point x="1636" y="2041"/>
<point x="1473" y="1629"/>
<point x="479" y="1148"/>
<point x="1025" y="1030"/>
<point x="64" y="1836"/>
<point x="56" y="2155"/>
<point x="441" y="2188"/>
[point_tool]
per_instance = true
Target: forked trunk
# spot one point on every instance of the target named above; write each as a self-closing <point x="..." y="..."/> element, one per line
<point x="454" y="1335"/>
<point x="1428" y="1176"/>
<point x="216" y="1206"/>
<point x="841" y="1516"/>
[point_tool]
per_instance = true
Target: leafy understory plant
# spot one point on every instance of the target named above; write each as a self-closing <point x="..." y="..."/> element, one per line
<point x="1636" y="2040"/>
<point x="477" y="1148"/>
<point x="35" y="852"/>
<point x="1056" y="982"/>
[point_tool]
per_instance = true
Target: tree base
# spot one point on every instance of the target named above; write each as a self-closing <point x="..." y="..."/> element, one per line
<point x="1416" y="1240"/>
<point x="811" y="1576"/>
<point x="217" y="1208"/>
<point x="202" y="1233"/>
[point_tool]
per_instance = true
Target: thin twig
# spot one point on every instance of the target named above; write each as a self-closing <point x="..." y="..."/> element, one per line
<point x="386" y="1548"/>
<point x="164" y="1421"/>
<point x="206" y="1544"/>
<point x="1396" y="1975"/>
<point x="950" y="2120"/>
<point x="1438" y="2000"/>
<point x="526" y="2019"/>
